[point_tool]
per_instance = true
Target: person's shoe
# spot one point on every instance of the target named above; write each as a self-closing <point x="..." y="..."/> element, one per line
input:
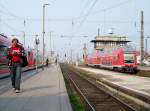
<point x="17" y="91"/>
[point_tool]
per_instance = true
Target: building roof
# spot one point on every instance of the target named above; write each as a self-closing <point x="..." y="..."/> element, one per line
<point x="110" y="39"/>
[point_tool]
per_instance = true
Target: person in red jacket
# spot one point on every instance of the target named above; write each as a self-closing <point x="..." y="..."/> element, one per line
<point x="15" y="52"/>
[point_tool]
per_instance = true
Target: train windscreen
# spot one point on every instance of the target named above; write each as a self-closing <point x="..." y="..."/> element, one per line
<point x="128" y="58"/>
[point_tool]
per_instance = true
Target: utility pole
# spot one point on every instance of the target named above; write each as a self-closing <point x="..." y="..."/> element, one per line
<point x="71" y="42"/>
<point x="146" y="47"/>
<point x="84" y="51"/>
<point x="37" y="43"/>
<point x="24" y="35"/>
<point x="146" y="50"/>
<point x="142" y="39"/>
<point x="44" y="5"/>
<point x="71" y="55"/>
<point x="50" y="43"/>
<point x="24" y="38"/>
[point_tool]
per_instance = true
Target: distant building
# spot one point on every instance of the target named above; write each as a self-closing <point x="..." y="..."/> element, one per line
<point x="102" y="42"/>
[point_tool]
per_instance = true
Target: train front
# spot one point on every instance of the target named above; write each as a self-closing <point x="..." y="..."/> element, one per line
<point x="130" y="59"/>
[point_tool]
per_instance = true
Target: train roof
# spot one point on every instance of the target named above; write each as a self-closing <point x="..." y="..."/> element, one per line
<point x="4" y="40"/>
<point x="2" y="35"/>
<point x="128" y="48"/>
<point x="124" y="48"/>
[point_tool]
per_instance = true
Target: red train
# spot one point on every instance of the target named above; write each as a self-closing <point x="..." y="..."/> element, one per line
<point x="122" y="58"/>
<point x="5" y="42"/>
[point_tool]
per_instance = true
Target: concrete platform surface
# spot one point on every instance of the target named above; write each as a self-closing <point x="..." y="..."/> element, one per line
<point x="144" y="68"/>
<point x="45" y="91"/>
<point x="132" y="82"/>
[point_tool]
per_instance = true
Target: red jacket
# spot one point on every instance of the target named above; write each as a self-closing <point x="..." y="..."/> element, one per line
<point x="15" y="53"/>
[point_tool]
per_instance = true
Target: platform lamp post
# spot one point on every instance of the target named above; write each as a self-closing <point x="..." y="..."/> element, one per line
<point x="37" y="41"/>
<point x="44" y="5"/>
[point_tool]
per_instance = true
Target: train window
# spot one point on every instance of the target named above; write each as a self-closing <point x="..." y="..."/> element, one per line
<point x="128" y="58"/>
<point x="3" y="50"/>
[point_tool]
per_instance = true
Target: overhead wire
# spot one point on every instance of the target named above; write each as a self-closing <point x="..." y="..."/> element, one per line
<point x="102" y="10"/>
<point x="79" y="17"/>
<point x="83" y="10"/>
<point x="112" y="7"/>
<point x="69" y="19"/>
<point x="86" y="15"/>
<point x="10" y="27"/>
<point x="7" y="12"/>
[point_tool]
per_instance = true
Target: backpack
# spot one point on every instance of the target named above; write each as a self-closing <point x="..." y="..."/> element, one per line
<point x="24" y="62"/>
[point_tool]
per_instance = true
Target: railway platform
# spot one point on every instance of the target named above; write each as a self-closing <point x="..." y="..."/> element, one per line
<point x="44" y="91"/>
<point x="144" y="68"/>
<point x="125" y="82"/>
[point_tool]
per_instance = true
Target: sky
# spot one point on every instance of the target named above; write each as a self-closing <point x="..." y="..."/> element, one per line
<point x="73" y="22"/>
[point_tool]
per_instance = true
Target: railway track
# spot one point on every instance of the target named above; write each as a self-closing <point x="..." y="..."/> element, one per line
<point x="95" y="98"/>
